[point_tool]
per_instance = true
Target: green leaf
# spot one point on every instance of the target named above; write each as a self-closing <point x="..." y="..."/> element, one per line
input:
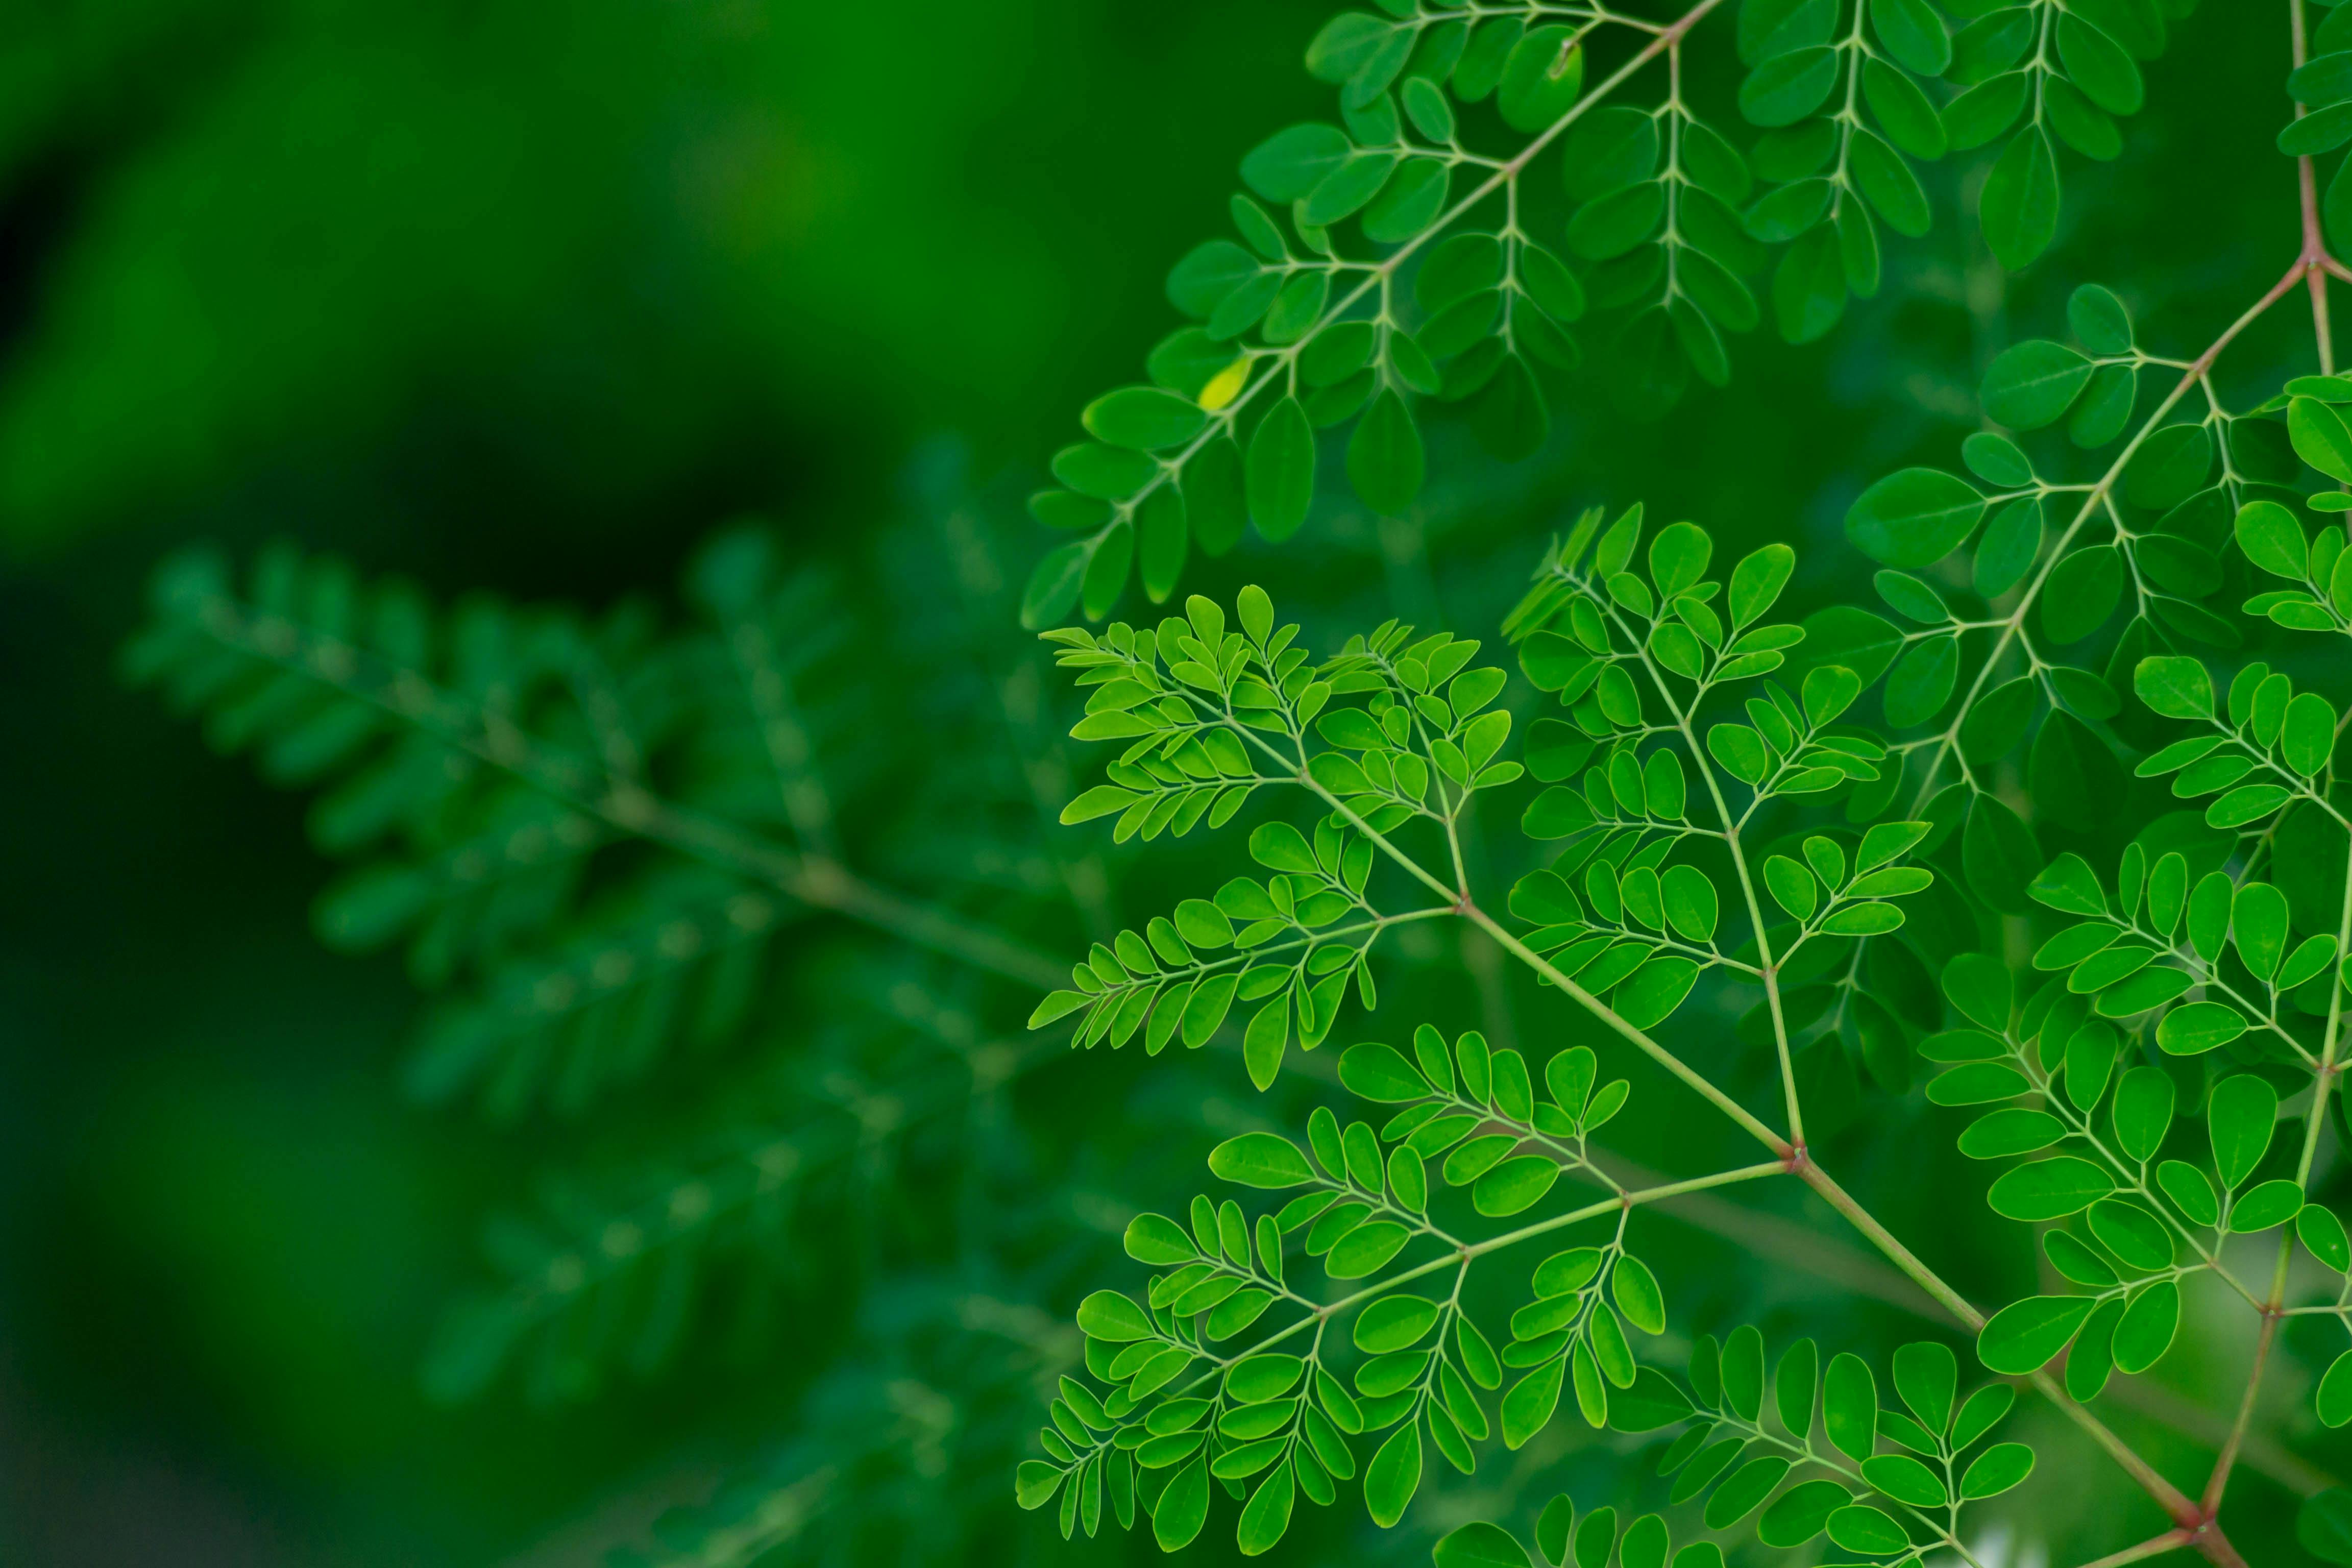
<point x="1650" y="1402"/>
<point x="1197" y="284"/>
<point x="1542" y="77"/>
<point x="1145" y="418"/>
<point x="1757" y="582"/>
<point x="2103" y="411"/>
<point x="2196" y="1027"/>
<point x="2272" y="540"/>
<point x="2320" y="437"/>
<point x="2099" y="320"/>
<point x="2019" y="205"/>
<point x="1770" y="28"/>
<point x="1550" y="283"/>
<point x="1998" y="854"/>
<point x="2012" y="542"/>
<point x="1406" y="205"/>
<point x="2023" y="1336"/>
<point x="1902" y="111"/>
<point x="2174" y="686"/>
<point x="1345" y="44"/>
<point x="1987" y="109"/>
<point x="1053" y="585"/>
<point x="1655" y="990"/>
<point x="1913" y="518"/>
<point x="2308" y="735"/>
<point x="1162" y="541"/>
<point x="1465" y="265"/>
<point x="1481" y="1545"/>
<point x="1365" y="1248"/>
<point x="2258" y="923"/>
<point x="1996" y="460"/>
<point x="1787" y="87"/>
<point x="1384" y="455"/>
<point x="1794" y="1382"/>
<point x="1809" y="287"/>
<point x="2032" y="383"/>
<point x="1859" y="1527"/>
<point x="1645" y="1543"/>
<point x="1394" y="1324"/>
<point x="2147" y="1327"/>
<point x="1690" y="900"/>
<point x="1108" y="1315"/>
<point x="1889" y="184"/>
<point x="1182" y="1507"/>
<point x="1914" y="34"/>
<point x="2068" y="884"/>
<point x="2272" y="1204"/>
<point x="1635" y="1291"/>
<point x="1616" y="223"/>
<point x="2082" y="592"/>
<point x="1927" y="1375"/>
<point x="1380" y="1073"/>
<point x="1850" y="1406"/>
<point x="2170" y="465"/>
<point x="2323" y="1526"/>
<point x="1287" y="165"/>
<point x="2098" y="65"/>
<point x="1515" y="1185"/>
<point x="1740" y="1495"/>
<point x="2240" y="1118"/>
<point x="1159" y="1241"/>
<point x="2323" y="1235"/>
<point x="1260" y="1160"/>
<point x="1279" y="474"/>
<point x="1262" y="1377"/>
<point x="1905" y="1478"/>
<point x="1393" y="1476"/>
<point x="1035" y="1483"/>
<point x="1979" y="985"/>
<point x="2143" y="1111"/>
<point x="2049" y="1189"/>
<point x="1801" y="1513"/>
<point x="2323" y="131"/>
<point x="1921" y="682"/>
<point x="1996" y="1470"/>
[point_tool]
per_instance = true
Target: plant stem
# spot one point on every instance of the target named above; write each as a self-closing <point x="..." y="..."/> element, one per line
<point x="2315" y="237"/>
<point x="1649" y="1048"/>
<point x="817" y="880"/>
<point x="2219" y="1482"/>
<point x="2156" y="1546"/>
<point x="1377" y="274"/>
<point x="2013" y="624"/>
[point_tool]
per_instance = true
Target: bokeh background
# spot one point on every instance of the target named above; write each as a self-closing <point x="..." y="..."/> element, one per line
<point x="527" y="296"/>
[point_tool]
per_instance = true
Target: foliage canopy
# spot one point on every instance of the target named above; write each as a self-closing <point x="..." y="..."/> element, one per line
<point x="2026" y="838"/>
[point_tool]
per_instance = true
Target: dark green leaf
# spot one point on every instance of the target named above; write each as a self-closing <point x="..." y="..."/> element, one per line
<point x="1913" y="518"/>
<point x="2020" y="203"/>
<point x="1289" y="163"/>
<point x="2082" y="592"/>
<point x="1384" y="455"/>
<point x="2032" y="383"/>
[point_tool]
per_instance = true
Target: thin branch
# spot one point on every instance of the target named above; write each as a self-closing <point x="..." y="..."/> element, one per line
<point x="2156" y="1546"/>
<point x="816" y="881"/>
<point x="2013" y="624"/>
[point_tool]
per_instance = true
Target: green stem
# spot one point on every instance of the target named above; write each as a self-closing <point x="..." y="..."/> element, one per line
<point x="815" y="879"/>
<point x="2156" y="1546"/>
<point x="1648" y="1046"/>
<point x="2013" y="624"/>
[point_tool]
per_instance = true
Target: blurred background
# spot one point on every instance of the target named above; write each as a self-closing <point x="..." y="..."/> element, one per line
<point x="525" y="295"/>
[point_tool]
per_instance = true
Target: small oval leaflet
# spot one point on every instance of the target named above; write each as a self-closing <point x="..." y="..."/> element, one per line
<point x="1913" y="518"/>
<point x="1260" y="1160"/>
